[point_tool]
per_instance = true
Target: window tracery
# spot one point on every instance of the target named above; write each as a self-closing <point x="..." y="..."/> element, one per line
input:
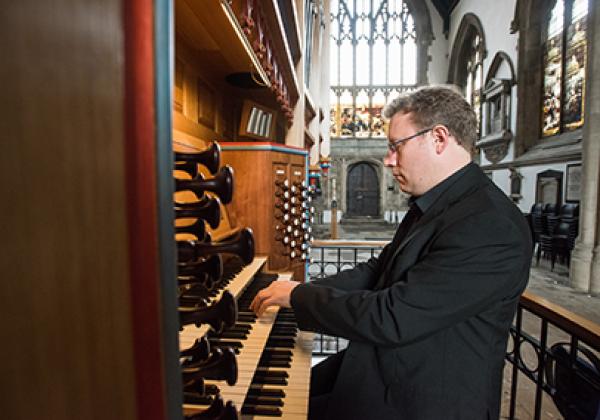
<point x="373" y="58"/>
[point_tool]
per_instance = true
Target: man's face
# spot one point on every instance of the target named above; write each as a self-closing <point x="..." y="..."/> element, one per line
<point x="411" y="161"/>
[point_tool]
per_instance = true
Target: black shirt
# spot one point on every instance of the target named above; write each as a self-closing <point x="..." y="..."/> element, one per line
<point x="425" y="201"/>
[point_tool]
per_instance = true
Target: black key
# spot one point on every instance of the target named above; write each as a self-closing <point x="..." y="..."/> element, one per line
<point x="262" y="371"/>
<point x="276" y="402"/>
<point x="260" y="410"/>
<point x="217" y="342"/>
<point x="272" y="352"/>
<point x="267" y="380"/>
<point x="235" y="335"/>
<point x="275" y="363"/>
<point x="256" y="390"/>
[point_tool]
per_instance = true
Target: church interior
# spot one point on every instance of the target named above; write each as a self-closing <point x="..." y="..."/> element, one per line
<point x="182" y="154"/>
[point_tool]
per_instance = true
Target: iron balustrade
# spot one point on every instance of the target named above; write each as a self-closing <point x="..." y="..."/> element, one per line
<point x="329" y="258"/>
<point x="529" y="351"/>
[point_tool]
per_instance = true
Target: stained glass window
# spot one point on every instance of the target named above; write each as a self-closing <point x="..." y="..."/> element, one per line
<point x="564" y="67"/>
<point x="373" y="57"/>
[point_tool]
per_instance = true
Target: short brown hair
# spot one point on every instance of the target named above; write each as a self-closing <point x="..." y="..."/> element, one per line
<point x="431" y="105"/>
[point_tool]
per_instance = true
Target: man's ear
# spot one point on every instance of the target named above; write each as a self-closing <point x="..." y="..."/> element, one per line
<point x="441" y="138"/>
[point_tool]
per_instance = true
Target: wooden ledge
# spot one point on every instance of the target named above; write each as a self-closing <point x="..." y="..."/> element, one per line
<point x="584" y="329"/>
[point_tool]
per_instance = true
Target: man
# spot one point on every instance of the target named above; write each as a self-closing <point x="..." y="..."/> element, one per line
<point x="428" y="319"/>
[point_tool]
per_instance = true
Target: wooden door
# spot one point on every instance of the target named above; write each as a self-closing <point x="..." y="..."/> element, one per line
<point x="363" y="190"/>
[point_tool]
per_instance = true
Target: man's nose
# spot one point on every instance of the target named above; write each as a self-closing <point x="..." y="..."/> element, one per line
<point x="389" y="159"/>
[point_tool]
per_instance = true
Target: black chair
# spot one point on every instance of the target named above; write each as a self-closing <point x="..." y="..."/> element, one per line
<point x="545" y="225"/>
<point x="537" y="208"/>
<point x="555" y="230"/>
<point x="545" y="248"/>
<point x="551" y="208"/>
<point x="569" y="211"/>
<point x="537" y="226"/>
<point x="560" y="245"/>
<point x="551" y="217"/>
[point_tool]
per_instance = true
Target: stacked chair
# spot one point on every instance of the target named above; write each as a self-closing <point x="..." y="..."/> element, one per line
<point x="554" y="230"/>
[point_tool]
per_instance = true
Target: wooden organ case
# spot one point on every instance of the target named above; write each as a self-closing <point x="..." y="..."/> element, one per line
<point x="274" y="201"/>
<point x="234" y="365"/>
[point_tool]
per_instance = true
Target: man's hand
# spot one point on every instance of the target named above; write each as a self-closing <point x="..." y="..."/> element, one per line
<point x="278" y="293"/>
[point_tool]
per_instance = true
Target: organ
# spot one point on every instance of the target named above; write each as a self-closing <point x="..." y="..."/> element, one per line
<point x="242" y="206"/>
<point x="232" y="364"/>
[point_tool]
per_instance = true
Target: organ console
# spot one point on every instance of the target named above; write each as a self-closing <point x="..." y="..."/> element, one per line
<point x="228" y="54"/>
<point x="234" y="365"/>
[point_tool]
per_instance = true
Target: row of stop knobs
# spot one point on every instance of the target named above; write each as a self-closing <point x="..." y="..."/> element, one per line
<point x="294" y="215"/>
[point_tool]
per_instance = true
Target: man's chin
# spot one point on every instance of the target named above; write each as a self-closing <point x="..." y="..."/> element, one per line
<point x="403" y="187"/>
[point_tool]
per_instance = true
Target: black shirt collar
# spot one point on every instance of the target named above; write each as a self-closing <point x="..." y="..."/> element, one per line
<point x="425" y="201"/>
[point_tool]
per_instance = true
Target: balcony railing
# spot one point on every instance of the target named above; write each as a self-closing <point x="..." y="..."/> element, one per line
<point x="553" y="350"/>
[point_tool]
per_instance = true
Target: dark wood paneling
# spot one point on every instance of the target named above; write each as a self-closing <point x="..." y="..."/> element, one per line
<point x="66" y="317"/>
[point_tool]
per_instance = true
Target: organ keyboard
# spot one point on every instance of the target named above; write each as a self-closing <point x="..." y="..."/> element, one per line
<point x="280" y="386"/>
<point x="259" y="353"/>
<point x="190" y="333"/>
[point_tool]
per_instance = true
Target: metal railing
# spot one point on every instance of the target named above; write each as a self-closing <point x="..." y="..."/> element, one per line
<point x="329" y="258"/>
<point x="537" y="353"/>
<point x="530" y="349"/>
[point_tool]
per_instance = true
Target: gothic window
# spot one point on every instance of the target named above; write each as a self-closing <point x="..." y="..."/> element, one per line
<point x="466" y="61"/>
<point x="564" y="62"/>
<point x="475" y="75"/>
<point x="373" y="59"/>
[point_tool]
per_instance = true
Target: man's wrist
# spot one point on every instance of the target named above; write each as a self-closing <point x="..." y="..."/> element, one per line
<point x="295" y="291"/>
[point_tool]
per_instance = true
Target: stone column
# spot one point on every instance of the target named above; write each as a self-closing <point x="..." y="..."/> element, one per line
<point x="585" y="262"/>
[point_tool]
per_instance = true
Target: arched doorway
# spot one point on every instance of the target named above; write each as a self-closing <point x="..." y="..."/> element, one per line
<point x="363" y="190"/>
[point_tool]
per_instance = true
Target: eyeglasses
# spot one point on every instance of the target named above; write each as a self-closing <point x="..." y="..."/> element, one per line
<point x="392" y="145"/>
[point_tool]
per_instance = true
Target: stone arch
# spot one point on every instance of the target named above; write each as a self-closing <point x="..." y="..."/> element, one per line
<point x="500" y="58"/>
<point x="469" y="26"/>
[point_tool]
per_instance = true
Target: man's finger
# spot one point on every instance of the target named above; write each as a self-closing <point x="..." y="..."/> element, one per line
<point x="264" y="305"/>
<point x="256" y="301"/>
